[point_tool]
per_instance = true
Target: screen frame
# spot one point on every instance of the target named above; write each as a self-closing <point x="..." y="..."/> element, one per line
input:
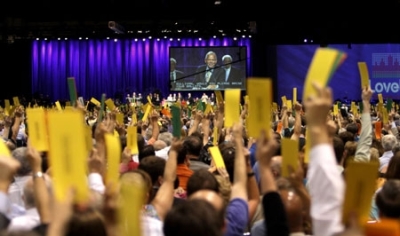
<point x="242" y="52"/>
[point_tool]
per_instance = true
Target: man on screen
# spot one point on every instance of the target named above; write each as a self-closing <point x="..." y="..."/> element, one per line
<point x="231" y="77"/>
<point x="175" y="75"/>
<point x="207" y="75"/>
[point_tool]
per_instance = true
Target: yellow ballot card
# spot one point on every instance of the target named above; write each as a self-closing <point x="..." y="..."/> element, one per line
<point x="284" y="101"/>
<point x="7" y="104"/>
<point x="120" y="118"/>
<point x="208" y="109"/>
<point x="218" y="96"/>
<point x="68" y="153"/>
<point x="4" y="150"/>
<point x="294" y="99"/>
<point x="134" y="118"/>
<point x="38" y="136"/>
<point x="362" y="67"/>
<point x="380" y="98"/>
<point x="290" y="155"/>
<point x="307" y="148"/>
<point x="95" y="101"/>
<point x="216" y="156"/>
<point x="88" y="138"/>
<point x="335" y="109"/>
<point x="16" y="101"/>
<point x="232" y="107"/>
<point x="289" y="104"/>
<point x="146" y="113"/>
<point x="260" y="95"/>
<point x="385" y="116"/>
<point x="320" y="70"/>
<point x="360" y="187"/>
<point x="58" y="105"/>
<point x="132" y="195"/>
<point x="113" y="145"/>
<point x="131" y="139"/>
<point x="215" y="136"/>
<point x="110" y="104"/>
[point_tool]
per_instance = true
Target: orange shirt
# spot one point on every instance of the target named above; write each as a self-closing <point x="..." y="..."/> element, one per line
<point x="183" y="172"/>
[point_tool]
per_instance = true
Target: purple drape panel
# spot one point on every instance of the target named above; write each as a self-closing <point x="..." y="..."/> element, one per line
<point x="109" y="66"/>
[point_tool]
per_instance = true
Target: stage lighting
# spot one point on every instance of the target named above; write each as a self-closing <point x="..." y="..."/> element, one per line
<point x="117" y="28"/>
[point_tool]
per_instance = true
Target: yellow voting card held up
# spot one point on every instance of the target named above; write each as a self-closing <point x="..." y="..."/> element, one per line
<point x="294" y="96"/>
<point x="218" y="96"/>
<point x="321" y="69"/>
<point x="131" y="139"/>
<point x="95" y="102"/>
<point x="120" y="118"/>
<point x="232" y="107"/>
<point x="38" y="137"/>
<point x="68" y="153"/>
<point x="113" y="145"/>
<point x="360" y="187"/>
<point x="362" y="67"/>
<point x="380" y="98"/>
<point x="110" y="104"/>
<point x="216" y="156"/>
<point x="215" y="136"/>
<point x="4" y="150"/>
<point x="290" y="155"/>
<point x="260" y="95"/>
<point x="16" y="101"/>
<point x="132" y="195"/>
<point x="58" y="105"/>
<point x="147" y="112"/>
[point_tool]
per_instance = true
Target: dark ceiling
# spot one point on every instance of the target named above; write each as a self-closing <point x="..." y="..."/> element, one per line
<point x="277" y="22"/>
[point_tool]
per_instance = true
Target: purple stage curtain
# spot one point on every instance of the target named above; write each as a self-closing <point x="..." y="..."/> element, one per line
<point x="109" y="66"/>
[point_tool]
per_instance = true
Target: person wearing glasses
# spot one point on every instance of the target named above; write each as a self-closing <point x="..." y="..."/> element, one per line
<point x="206" y="75"/>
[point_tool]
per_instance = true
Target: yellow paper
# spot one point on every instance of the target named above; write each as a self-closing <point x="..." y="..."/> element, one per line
<point x="320" y="70"/>
<point x="89" y="138"/>
<point x="218" y="96"/>
<point x="113" y="158"/>
<point x="149" y="100"/>
<point x="132" y="195"/>
<point x="307" y="148"/>
<point x="7" y="104"/>
<point x="360" y="187"/>
<point x="120" y="118"/>
<point x="208" y="109"/>
<point x="16" y="101"/>
<point x="146" y="114"/>
<point x="134" y="119"/>
<point x="215" y="136"/>
<point x="131" y="139"/>
<point x="380" y="98"/>
<point x="216" y="156"/>
<point x="58" y="105"/>
<point x="290" y="155"/>
<point x="289" y="104"/>
<point x="110" y="104"/>
<point x="67" y="104"/>
<point x="275" y="106"/>
<point x="284" y="101"/>
<point x="335" y="109"/>
<point x="95" y="102"/>
<point x="4" y="150"/>
<point x="260" y="94"/>
<point x="246" y="99"/>
<point x="294" y="96"/>
<point x="68" y="154"/>
<point x="232" y="107"/>
<point x="385" y="116"/>
<point x="37" y="124"/>
<point x="362" y="67"/>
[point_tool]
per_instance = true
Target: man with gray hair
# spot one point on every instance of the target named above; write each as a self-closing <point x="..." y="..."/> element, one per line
<point x="232" y="77"/>
<point x="388" y="143"/>
<point x="22" y="176"/>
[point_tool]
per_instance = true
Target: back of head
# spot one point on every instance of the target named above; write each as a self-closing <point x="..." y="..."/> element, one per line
<point x="159" y="144"/>
<point x="388" y="142"/>
<point x="346" y="136"/>
<point x="338" y="147"/>
<point x="89" y="222"/>
<point x="20" y="155"/>
<point x="228" y="155"/>
<point x="194" y="218"/>
<point x="200" y="180"/>
<point x="154" y="166"/>
<point x="166" y="137"/>
<point x="352" y="128"/>
<point x="388" y="199"/>
<point x="147" y="150"/>
<point x="393" y="169"/>
<point x="193" y="145"/>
